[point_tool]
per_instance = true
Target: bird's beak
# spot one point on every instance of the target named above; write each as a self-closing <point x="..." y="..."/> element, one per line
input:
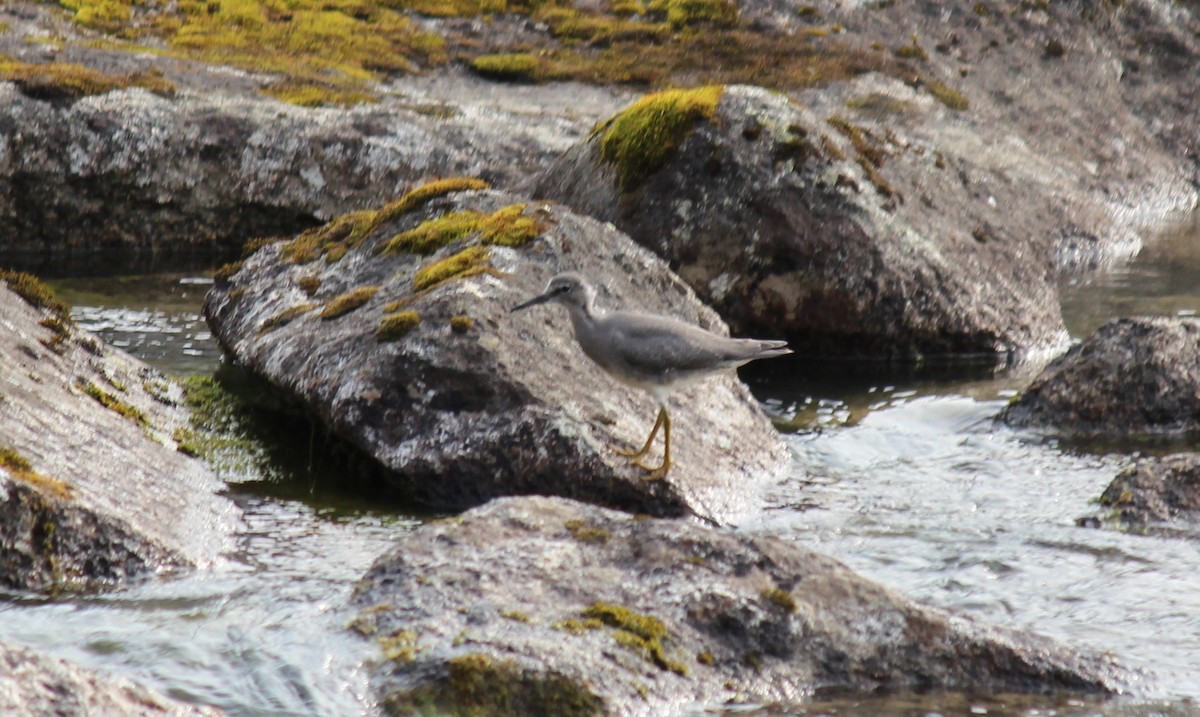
<point x="540" y="299"/>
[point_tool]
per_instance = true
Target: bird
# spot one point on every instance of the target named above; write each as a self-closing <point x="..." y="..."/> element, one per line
<point x="651" y="352"/>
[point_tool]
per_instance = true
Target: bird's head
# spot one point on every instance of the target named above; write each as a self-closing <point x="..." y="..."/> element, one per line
<point x="569" y="289"/>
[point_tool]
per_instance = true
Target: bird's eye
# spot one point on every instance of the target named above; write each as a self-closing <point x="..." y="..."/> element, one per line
<point x="561" y="289"/>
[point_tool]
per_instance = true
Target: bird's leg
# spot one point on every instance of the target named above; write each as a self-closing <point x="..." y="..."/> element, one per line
<point x="662" y="416"/>
<point x="661" y="471"/>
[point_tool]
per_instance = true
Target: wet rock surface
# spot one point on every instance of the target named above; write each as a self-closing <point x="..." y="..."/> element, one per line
<point x="1133" y="376"/>
<point x="781" y="220"/>
<point x="92" y="490"/>
<point x="1156" y="493"/>
<point x="465" y="401"/>
<point x="34" y="685"/>
<point x="632" y="616"/>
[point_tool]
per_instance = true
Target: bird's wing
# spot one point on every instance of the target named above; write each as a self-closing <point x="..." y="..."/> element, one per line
<point x="662" y="346"/>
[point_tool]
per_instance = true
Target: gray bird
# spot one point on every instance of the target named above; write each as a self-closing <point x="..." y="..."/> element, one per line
<point x="650" y="352"/>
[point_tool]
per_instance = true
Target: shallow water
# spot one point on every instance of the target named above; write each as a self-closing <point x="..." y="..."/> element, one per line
<point x="899" y="472"/>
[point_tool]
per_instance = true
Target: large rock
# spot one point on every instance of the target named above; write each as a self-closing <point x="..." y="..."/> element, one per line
<point x="474" y="402"/>
<point x="1132" y="376"/>
<point x="545" y="606"/>
<point x="1155" y="494"/>
<point x="34" y="685"/>
<point x="92" y="490"/>
<point x="790" y="222"/>
<point x="134" y="170"/>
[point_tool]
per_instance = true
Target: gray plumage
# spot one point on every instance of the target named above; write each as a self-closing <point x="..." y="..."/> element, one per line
<point x="648" y="351"/>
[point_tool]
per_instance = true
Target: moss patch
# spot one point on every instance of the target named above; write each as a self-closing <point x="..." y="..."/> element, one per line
<point x="509" y="68"/>
<point x="475" y="684"/>
<point x="780" y="597"/>
<point x="36" y="293"/>
<point x="400" y="646"/>
<point x="113" y="403"/>
<point x="947" y="95"/>
<point x="317" y="94"/>
<point x="397" y="325"/>
<point x="641" y="138"/>
<point x="285" y="317"/>
<point x="431" y="235"/>
<point x="62" y="80"/>
<point x="349" y="301"/>
<point x="468" y="262"/>
<point x="685" y="13"/>
<point x="586" y="532"/>
<point x="460" y="324"/>
<point x="309" y="284"/>
<point x="641" y="633"/>
<point x="22" y="470"/>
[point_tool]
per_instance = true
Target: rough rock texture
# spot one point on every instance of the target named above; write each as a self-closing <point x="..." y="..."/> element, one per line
<point x="91" y="495"/>
<point x="627" y="616"/>
<point x="767" y="213"/>
<point x="134" y="170"/>
<point x="34" y="685"/>
<point x="1136" y="375"/>
<point x="1153" y="492"/>
<point x="507" y="404"/>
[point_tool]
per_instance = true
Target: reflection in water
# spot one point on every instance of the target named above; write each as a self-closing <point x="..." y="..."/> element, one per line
<point x="900" y="472"/>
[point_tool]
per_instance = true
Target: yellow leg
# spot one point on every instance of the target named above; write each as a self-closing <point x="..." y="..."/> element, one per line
<point x="661" y="471"/>
<point x="662" y="416"/>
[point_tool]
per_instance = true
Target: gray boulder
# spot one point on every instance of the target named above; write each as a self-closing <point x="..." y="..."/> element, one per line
<point x="789" y="222"/>
<point x="462" y="401"/>
<point x="1132" y="376"/>
<point x="546" y="606"/>
<point x="92" y="489"/>
<point x="35" y="685"/>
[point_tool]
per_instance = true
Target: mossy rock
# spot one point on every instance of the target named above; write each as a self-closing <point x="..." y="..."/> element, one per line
<point x="641" y="137"/>
<point x="468" y="262"/>
<point x="685" y="13"/>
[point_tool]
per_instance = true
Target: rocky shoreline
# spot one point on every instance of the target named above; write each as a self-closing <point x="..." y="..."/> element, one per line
<point x="913" y="201"/>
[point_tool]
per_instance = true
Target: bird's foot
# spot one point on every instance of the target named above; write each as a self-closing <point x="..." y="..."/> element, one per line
<point x="654" y="473"/>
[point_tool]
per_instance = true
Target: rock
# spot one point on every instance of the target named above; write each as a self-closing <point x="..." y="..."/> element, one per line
<point x="545" y="606"/>
<point x="35" y="685"/>
<point x="1132" y="376"/>
<point x="792" y="223"/>
<point x="130" y="169"/>
<point x="92" y="490"/>
<point x="462" y="401"/>
<point x="1151" y="494"/>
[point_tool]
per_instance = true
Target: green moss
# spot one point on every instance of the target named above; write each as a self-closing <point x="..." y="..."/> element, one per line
<point x="513" y="67"/>
<point x="640" y="138"/>
<point x="421" y="195"/>
<point x="397" y="325"/>
<point x="780" y="597"/>
<point x="431" y="235"/>
<point x="468" y="262"/>
<point x="316" y="94"/>
<point x="285" y="317"/>
<point x="13" y="460"/>
<point x="226" y="271"/>
<point x="912" y="51"/>
<point x="460" y="324"/>
<point x="947" y="95"/>
<point x="641" y="633"/>
<point x="61" y="79"/>
<point x="508" y="226"/>
<point x="400" y="646"/>
<point x="347" y="302"/>
<point x="475" y="685"/>
<point x="586" y="532"/>
<point x="113" y="403"/>
<point x="705" y="658"/>
<point x="578" y="627"/>
<point x="309" y="284"/>
<point x="36" y="294"/>
<point x="685" y="13"/>
<point x="514" y="615"/>
<point x="60" y="331"/>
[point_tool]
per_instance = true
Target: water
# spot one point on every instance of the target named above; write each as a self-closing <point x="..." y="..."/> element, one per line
<point x="899" y="472"/>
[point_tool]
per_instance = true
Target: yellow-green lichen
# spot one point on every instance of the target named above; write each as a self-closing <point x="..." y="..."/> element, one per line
<point x="113" y="403"/>
<point x="461" y="324"/>
<point x="286" y="316"/>
<point x="61" y="79"/>
<point x="22" y="470"/>
<point x="586" y="532"/>
<point x="641" y="137"/>
<point x="397" y="325"/>
<point x="347" y="302"/>
<point x="685" y="13"/>
<point x="508" y="226"/>
<point x="511" y="67"/>
<point x="780" y="597"/>
<point x="468" y="262"/>
<point x="35" y="293"/>
<point x="514" y="615"/>
<point x="309" y="284"/>
<point x="318" y="94"/>
<point x="431" y="235"/>
<point x="947" y="95"/>
<point x="576" y="626"/>
<point x="475" y="684"/>
<point x="641" y="633"/>
<point x="400" y="646"/>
